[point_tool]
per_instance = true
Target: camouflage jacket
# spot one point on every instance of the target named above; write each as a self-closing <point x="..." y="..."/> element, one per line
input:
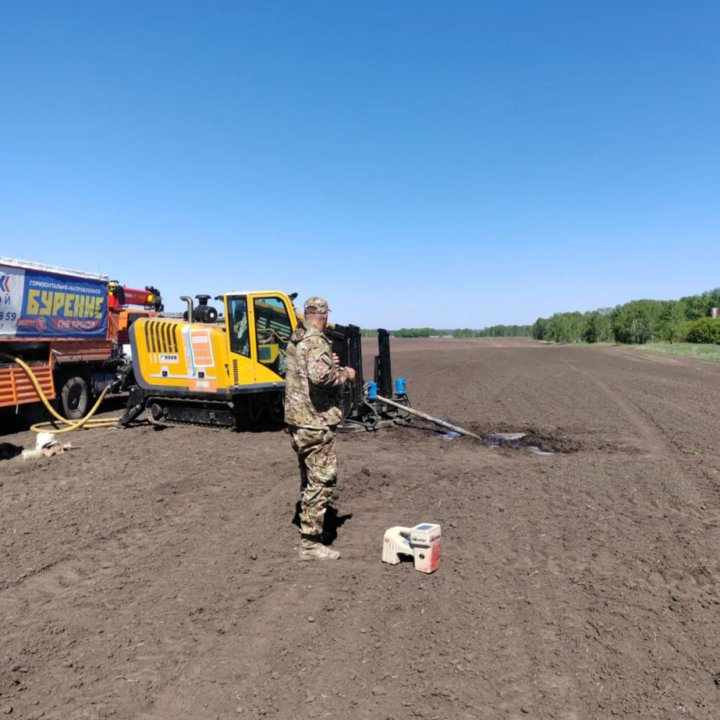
<point x="312" y="381"/>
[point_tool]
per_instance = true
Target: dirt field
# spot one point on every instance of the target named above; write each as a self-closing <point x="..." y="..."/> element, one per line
<point x="153" y="574"/>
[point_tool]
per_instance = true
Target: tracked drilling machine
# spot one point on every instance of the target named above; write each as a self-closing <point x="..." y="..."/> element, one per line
<point x="228" y="368"/>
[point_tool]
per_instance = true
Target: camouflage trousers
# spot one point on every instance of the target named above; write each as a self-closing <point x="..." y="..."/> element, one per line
<point x="318" y="475"/>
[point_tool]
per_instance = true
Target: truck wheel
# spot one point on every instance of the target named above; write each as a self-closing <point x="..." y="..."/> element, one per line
<point x="74" y="398"/>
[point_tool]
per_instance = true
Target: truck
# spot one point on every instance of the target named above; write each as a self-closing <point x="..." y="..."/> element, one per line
<point x="71" y="328"/>
<point x="227" y="367"/>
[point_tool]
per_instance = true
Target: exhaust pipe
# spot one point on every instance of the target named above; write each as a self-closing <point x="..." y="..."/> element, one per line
<point x="190" y="309"/>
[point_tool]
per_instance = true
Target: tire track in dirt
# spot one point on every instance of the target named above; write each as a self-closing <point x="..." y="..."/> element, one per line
<point x="597" y="550"/>
<point x="660" y="445"/>
<point x="63" y="571"/>
<point x="676" y="493"/>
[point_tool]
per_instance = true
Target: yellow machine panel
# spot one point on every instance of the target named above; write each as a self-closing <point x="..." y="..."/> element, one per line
<point x="172" y="354"/>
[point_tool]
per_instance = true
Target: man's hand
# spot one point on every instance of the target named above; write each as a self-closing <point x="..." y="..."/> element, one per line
<point x="350" y="371"/>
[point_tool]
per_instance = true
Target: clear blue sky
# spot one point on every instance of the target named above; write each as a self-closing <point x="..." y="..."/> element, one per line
<point x="454" y="164"/>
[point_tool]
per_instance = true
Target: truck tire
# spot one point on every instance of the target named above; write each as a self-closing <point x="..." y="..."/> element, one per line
<point x="74" y="397"/>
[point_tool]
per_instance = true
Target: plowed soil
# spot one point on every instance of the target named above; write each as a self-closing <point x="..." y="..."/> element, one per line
<point x="153" y="574"/>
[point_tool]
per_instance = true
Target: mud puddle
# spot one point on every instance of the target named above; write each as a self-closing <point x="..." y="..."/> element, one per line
<point x="528" y="441"/>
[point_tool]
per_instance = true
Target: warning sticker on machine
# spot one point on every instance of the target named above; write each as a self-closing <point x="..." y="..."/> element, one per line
<point x="203" y="385"/>
<point x="201" y="348"/>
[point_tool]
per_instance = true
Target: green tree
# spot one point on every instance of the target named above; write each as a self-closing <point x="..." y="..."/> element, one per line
<point x="539" y="329"/>
<point x="589" y="329"/>
<point x="637" y="321"/>
<point x="698" y="306"/>
<point x="704" y="330"/>
<point x="565" y="327"/>
<point x="671" y="318"/>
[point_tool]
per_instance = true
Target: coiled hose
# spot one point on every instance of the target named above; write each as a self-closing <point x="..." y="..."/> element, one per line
<point x="87" y="422"/>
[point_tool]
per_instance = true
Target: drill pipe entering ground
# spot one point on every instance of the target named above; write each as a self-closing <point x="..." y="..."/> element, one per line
<point x="437" y="421"/>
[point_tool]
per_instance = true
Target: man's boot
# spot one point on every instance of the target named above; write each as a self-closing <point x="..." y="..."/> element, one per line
<point x="317" y="551"/>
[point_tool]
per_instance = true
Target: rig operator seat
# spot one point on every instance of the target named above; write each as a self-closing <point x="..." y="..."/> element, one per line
<point x="240" y="339"/>
<point x="273" y="334"/>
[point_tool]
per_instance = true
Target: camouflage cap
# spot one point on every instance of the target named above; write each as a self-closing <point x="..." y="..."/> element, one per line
<point x="316" y="305"/>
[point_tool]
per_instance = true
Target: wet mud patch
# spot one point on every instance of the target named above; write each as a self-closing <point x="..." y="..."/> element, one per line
<point x="531" y="438"/>
<point x="540" y="441"/>
<point x="558" y="441"/>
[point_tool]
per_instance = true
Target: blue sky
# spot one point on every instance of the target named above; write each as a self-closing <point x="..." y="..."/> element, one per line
<point x="457" y="164"/>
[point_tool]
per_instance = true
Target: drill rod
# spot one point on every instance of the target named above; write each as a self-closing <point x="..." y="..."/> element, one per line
<point x="432" y="419"/>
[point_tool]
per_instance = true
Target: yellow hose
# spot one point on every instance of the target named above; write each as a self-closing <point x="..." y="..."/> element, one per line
<point x="85" y="422"/>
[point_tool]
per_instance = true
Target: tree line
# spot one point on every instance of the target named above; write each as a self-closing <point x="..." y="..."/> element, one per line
<point x="637" y="322"/>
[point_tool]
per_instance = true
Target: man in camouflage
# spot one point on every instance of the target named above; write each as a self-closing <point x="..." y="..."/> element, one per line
<point x="312" y="413"/>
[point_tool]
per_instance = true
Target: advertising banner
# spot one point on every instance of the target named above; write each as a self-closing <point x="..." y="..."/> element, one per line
<point x="39" y="304"/>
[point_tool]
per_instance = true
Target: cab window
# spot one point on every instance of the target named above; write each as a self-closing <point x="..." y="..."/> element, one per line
<point x="272" y="330"/>
<point x="239" y="328"/>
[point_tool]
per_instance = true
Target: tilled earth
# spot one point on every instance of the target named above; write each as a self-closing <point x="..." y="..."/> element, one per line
<point x="153" y="574"/>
